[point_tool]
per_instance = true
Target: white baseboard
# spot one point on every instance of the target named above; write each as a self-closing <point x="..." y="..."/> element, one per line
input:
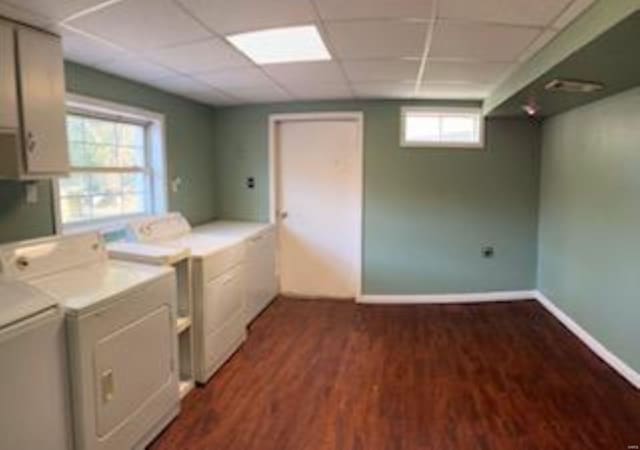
<point x="596" y="347"/>
<point x="479" y="297"/>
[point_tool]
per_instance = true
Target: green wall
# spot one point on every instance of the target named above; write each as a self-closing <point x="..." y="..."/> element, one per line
<point x="190" y="154"/>
<point x="427" y="212"/>
<point x="589" y="247"/>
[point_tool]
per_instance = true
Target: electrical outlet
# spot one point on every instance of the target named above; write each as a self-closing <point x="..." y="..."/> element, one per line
<point x="488" y="252"/>
<point x="251" y="182"/>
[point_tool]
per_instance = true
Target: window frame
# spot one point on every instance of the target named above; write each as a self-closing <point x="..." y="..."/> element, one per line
<point x="444" y="110"/>
<point x="155" y="154"/>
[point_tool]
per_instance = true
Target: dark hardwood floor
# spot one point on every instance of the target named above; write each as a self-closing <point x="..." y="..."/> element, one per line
<point x="323" y="375"/>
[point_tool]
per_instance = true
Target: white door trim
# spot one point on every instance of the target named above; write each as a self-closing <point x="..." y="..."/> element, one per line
<point x="351" y="116"/>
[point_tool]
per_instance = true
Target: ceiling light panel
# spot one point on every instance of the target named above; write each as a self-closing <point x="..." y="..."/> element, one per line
<point x="282" y="45"/>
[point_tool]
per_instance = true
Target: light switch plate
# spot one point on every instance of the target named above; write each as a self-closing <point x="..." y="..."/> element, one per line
<point x="31" y="190"/>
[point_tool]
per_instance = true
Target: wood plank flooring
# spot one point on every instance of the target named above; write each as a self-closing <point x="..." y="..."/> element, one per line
<point x="323" y="375"/>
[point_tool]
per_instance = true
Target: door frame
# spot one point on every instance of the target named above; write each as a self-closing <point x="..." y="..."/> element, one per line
<point x="274" y="177"/>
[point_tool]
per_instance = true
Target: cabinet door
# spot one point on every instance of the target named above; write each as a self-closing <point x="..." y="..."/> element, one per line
<point x="41" y="77"/>
<point x="8" y="87"/>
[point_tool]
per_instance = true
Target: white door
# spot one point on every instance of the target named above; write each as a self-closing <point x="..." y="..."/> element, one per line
<point x="319" y="201"/>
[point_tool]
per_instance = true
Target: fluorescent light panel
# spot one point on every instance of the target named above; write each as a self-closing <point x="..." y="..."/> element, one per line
<point x="282" y="45"/>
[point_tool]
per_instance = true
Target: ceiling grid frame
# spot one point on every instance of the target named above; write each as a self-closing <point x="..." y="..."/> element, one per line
<point x="543" y="20"/>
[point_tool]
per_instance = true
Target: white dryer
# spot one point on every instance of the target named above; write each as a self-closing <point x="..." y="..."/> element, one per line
<point x="219" y="317"/>
<point x="120" y="320"/>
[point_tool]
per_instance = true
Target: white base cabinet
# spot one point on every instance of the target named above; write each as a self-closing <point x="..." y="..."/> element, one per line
<point x="260" y="273"/>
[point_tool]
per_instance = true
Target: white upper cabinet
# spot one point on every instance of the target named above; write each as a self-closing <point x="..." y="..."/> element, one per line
<point x="37" y="147"/>
<point x="8" y="91"/>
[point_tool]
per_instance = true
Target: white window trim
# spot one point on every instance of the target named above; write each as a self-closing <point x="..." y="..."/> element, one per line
<point x="157" y="159"/>
<point x="443" y="110"/>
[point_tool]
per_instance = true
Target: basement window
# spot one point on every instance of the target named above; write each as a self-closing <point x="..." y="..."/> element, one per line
<point x="117" y="165"/>
<point x="442" y="127"/>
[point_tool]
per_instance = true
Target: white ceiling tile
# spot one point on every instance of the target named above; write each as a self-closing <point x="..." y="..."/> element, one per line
<point x="476" y="41"/>
<point x="56" y="10"/>
<point x="374" y="9"/>
<point x="383" y="90"/>
<point x="538" y="44"/>
<point x="320" y="91"/>
<point x="517" y="12"/>
<point x="572" y="12"/>
<point x="381" y="70"/>
<point x="305" y="73"/>
<point x="87" y="50"/>
<point x="142" y="24"/>
<point x="233" y="16"/>
<point x="236" y="78"/>
<point x="464" y="72"/>
<point x="454" y="92"/>
<point x="203" y="56"/>
<point x="377" y="38"/>
<point x="193" y="89"/>
<point x="259" y="94"/>
<point x="136" y="69"/>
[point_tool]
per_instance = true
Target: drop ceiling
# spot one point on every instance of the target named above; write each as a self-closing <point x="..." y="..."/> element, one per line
<point x="451" y="49"/>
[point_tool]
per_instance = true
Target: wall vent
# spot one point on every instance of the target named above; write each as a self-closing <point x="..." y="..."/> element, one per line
<point x="573" y="86"/>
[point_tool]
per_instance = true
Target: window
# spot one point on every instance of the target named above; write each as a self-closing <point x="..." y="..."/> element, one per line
<point x="117" y="166"/>
<point x="442" y="127"/>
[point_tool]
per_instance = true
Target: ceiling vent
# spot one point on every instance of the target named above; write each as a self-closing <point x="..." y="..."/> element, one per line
<point x="573" y="86"/>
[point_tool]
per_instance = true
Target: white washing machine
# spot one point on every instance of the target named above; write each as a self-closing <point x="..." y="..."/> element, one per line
<point x="34" y="393"/>
<point x="120" y="322"/>
<point x="219" y="317"/>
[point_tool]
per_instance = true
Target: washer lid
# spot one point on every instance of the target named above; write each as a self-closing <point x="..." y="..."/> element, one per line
<point x="19" y="301"/>
<point x="85" y="289"/>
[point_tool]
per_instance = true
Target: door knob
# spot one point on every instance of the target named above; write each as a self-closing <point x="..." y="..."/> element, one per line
<point x="284" y="214"/>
